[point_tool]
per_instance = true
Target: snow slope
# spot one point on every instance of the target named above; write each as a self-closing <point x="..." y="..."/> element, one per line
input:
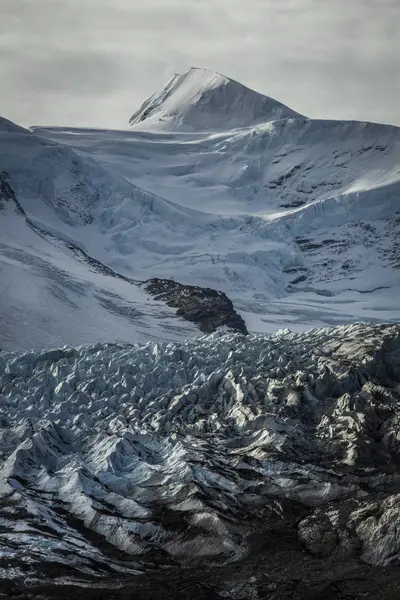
<point x="296" y="220"/>
<point x="50" y="296"/>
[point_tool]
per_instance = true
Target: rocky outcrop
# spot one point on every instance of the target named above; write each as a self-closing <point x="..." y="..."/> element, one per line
<point x="206" y="307"/>
<point x="7" y="193"/>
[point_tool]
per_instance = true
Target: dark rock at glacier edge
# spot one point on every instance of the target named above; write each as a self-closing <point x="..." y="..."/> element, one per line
<point x="206" y="307"/>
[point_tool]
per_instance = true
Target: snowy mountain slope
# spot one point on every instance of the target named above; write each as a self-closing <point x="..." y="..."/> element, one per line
<point x="56" y="183"/>
<point x="300" y="218"/>
<point x="202" y="99"/>
<point x="49" y="296"/>
<point x="257" y="170"/>
<point x="235" y="462"/>
<point x="295" y="220"/>
<point x="72" y="297"/>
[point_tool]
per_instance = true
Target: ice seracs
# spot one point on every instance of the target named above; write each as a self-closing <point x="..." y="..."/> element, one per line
<point x="176" y="454"/>
<point x="202" y="100"/>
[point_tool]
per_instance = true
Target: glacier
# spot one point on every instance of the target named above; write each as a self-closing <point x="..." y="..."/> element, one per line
<point x="119" y="459"/>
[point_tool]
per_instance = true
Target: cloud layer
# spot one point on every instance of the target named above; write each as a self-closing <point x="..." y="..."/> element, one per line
<point x="93" y="62"/>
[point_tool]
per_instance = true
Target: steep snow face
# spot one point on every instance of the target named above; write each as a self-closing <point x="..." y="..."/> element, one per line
<point x="202" y="100"/>
<point x="58" y="186"/>
<point x="172" y="453"/>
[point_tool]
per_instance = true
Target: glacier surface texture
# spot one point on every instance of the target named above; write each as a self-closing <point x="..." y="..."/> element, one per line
<point x="214" y="455"/>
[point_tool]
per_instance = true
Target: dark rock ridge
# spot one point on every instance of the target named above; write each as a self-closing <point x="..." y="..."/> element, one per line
<point x="206" y="307"/>
<point x="7" y="193"/>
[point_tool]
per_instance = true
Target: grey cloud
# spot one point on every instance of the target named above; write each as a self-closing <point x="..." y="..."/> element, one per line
<point x="86" y="73"/>
<point x="92" y="62"/>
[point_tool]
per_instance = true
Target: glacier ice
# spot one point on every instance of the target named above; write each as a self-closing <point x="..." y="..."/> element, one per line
<point x="167" y="451"/>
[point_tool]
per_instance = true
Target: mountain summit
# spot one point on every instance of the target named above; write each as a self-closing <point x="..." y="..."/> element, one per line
<point x="204" y="100"/>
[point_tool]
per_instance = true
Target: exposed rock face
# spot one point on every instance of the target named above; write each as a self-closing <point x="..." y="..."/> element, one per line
<point x="7" y="193"/>
<point x="206" y="307"/>
<point x="228" y="466"/>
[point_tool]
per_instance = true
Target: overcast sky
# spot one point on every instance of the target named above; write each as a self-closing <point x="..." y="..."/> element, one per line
<point x="93" y="62"/>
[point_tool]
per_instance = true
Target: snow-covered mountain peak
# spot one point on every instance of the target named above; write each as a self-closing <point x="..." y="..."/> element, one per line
<point x="8" y="126"/>
<point x="204" y="100"/>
